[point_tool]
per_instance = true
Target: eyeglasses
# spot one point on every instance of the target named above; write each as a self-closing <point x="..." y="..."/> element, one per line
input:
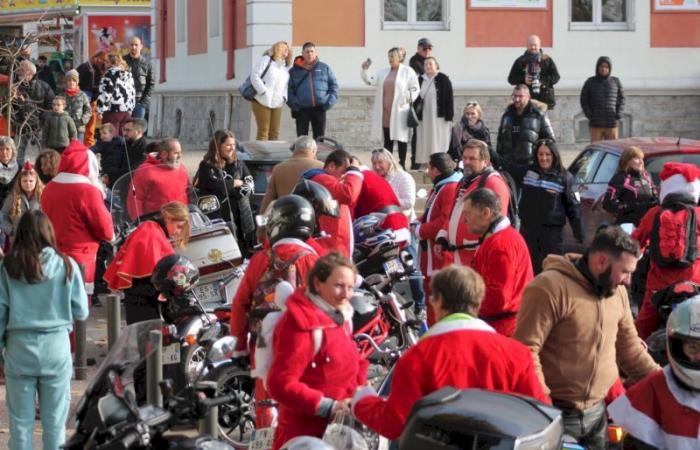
<point x="378" y="150"/>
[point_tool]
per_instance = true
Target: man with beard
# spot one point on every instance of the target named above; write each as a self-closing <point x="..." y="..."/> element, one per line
<point x="161" y="179"/>
<point x="575" y="317"/>
<point x="133" y="131"/>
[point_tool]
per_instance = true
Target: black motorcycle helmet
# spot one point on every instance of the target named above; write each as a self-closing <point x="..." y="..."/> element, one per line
<point x="291" y="216"/>
<point x="320" y="198"/>
<point x="174" y="275"/>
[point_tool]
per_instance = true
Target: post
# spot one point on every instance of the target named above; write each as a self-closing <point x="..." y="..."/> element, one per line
<point x="80" y="362"/>
<point x="209" y="423"/>
<point x="154" y="368"/>
<point x="114" y="317"/>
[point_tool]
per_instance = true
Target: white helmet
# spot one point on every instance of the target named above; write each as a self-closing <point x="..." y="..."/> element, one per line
<point x="684" y="325"/>
<point x="306" y="443"/>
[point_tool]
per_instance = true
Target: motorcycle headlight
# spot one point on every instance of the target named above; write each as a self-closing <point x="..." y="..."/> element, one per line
<point x="222" y="349"/>
<point x="407" y="260"/>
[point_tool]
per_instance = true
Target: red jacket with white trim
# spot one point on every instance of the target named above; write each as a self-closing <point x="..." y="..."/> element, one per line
<point x="455" y="230"/>
<point x="503" y="261"/>
<point x="659" y="412"/>
<point x="458" y="351"/>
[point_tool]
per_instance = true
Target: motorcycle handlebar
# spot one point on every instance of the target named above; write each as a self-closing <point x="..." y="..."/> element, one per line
<point x="211" y="402"/>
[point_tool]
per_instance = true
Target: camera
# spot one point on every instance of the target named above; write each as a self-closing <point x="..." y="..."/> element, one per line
<point x="533" y="71"/>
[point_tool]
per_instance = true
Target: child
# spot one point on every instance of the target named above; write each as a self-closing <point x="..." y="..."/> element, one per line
<point x="78" y="104"/>
<point x="59" y="128"/>
<point x="663" y="410"/>
<point x="111" y="149"/>
<point x="24" y="195"/>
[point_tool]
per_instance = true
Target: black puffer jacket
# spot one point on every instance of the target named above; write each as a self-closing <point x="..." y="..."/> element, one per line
<point x="142" y="72"/>
<point x="549" y="75"/>
<point x="534" y="125"/>
<point x="462" y="132"/>
<point x="602" y="98"/>
<point x="629" y="196"/>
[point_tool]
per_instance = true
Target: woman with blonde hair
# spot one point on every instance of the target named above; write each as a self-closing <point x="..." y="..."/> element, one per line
<point x="397" y="88"/>
<point x="470" y="126"/>
<point x="8" y="165"/>
<point x="631" y="191"/>
<point x="117" y="93"/>
<point x="131" y="268"/>
<point x="269" y="78"/>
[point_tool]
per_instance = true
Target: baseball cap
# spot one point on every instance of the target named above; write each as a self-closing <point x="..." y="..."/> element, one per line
<point x="424" y="42"/>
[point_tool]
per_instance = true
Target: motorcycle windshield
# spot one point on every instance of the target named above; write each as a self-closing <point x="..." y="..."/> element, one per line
<point x="140" y="193"/>
<point x="129" y="351"/>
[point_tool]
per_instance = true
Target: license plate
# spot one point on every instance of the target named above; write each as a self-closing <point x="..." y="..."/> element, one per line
<point x="208" y="293"/>
<point x="393" y="267"/>
<point x="171" y="354"/>
<point x="263" y="439"/>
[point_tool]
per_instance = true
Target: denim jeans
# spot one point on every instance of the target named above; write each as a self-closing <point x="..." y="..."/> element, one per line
<point x="588" y="427"/>
<point x="139" y="111"/>
<point x="415" y="280"/>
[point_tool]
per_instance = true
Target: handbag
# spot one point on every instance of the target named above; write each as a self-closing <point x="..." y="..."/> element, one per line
<point x="415" y="112"/>
<point x="247" y="90"/>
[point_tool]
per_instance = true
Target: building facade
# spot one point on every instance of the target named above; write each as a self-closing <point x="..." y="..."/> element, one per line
<point x="204" y="49"/>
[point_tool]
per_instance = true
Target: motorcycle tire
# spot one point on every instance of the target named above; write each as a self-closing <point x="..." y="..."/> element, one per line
<point x="237" y="419"/>
<point x="191" y="360"/>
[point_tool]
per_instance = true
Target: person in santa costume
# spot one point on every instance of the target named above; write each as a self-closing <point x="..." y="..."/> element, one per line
<point x="437" y="210"/>
<point x="344" y="182"/>
<point x="663" y="410"/>
<point x="162" y="178"/>
<point x="131" y="269"/>
<point x="454" y="235"/>
<point x="459" y="350"/>
<point x="502" y="260"/>
<point x="290" y="225"/>
<point x="316" y="366"/>
<point x="75" y="205"/>
<point x="680" y="183"/>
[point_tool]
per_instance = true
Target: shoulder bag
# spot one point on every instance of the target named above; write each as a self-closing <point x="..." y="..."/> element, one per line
<point x="415" y="112"/>
<point x="247" y="90"/>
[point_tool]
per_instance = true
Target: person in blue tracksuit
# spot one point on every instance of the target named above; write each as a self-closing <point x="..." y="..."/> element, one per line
<point x="41" y="294"/>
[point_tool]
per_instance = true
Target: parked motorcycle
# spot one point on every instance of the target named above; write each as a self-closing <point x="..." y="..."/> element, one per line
<point x="107" y="417"/>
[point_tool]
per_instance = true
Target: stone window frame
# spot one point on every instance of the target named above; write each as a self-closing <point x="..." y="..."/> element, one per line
<point x="412" y="23"/>
<point x="597" y="23"/>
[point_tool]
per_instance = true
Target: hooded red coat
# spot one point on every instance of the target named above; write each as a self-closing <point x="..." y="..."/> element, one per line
<point x="300" y="377"/>
<point x="76" y="208"/>
<point x="155" y="184"/>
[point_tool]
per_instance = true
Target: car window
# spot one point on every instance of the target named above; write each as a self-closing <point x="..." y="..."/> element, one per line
<point x="654" y="165"/>
<point x="607" y="168"/>
<point x="261" y="174"/>
<point x="583" y="169"/>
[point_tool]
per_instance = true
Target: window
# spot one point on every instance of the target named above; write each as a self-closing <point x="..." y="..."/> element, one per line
<point x="607" y="168"/>
<point x="584" y="167"/>
<point x="214" y="11"/>
<point x="602" y="15"/>
<point x="181" y="21"/>
<point x="415" y="14"/>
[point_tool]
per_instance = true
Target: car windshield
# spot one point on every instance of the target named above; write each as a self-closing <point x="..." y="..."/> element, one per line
<point x="655" y="164"/>
<point x="583" y="169"/>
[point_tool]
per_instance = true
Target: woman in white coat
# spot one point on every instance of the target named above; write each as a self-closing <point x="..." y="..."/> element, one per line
<point x="269" y="78"/>
<point x="435" y="129"/>
<point x="397" y="87"/>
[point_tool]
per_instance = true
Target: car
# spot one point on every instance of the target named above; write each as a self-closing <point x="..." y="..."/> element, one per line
<point x="262" y="156"/>
<point x="597" y="163"/>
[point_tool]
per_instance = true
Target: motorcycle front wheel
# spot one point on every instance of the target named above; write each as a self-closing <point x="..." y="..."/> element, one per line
<point x="236" y="419"/>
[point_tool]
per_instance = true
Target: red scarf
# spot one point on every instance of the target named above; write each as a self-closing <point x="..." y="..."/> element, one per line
<point x="72" y="92"/>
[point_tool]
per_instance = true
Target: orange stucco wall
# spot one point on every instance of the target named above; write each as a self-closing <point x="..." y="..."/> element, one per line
<point x="234" y="12"/>
<point x="500" y="27"/>
<point x="329" y="23"/>
<point x="170" y="28"/>
<point x="196" y="27"/>
<point x="674" y="29"/>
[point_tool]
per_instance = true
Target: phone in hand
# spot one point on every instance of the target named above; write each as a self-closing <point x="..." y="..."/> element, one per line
<point x="368" y="62"/>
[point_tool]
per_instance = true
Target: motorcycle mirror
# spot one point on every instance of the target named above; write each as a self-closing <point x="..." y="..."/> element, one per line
<point x="208" y="204"/>
<point x="261" y="220"/>
<point x="222" y="349"/>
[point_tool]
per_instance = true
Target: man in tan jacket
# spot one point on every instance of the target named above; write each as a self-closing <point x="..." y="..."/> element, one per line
<point x="286" y="174"/>
<point x="576" y="319"/>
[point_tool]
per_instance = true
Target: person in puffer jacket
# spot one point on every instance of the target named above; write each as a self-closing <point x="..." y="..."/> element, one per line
<point x="117" y="97"/>
<point x="312" y="90"/>
<point x="602" y="101"/>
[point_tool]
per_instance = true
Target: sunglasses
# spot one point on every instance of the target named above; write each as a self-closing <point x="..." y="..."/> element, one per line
<point x="472" y="104"/>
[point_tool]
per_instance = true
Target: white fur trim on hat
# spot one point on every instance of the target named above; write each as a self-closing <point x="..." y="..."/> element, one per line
<point x="678" y="183"/>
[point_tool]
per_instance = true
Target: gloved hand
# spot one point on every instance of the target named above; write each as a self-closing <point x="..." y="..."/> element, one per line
<point x="442" y="242"/>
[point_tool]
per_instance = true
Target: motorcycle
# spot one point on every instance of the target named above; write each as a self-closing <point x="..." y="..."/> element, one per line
<point x="108" y="417"/>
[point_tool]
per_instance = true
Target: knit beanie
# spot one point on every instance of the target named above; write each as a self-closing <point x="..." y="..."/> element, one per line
<point x="72" y="75"/>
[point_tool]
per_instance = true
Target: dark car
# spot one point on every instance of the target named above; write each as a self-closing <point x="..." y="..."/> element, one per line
<point x="262" y="156"/>
<point x="597" y="163"/>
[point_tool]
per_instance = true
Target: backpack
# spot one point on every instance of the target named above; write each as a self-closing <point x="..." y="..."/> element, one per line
<point x="674" y="241"/>
<point x="513" y="213"/>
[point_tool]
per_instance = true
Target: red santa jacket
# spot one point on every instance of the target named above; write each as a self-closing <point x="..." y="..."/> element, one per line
<point x="436" y="215"/>
<point x="455" y="230"/>
<point x="346" y="191"/>
<point x="659" y="412"/>
<point x="285" y="249"/>
<point x="77" y="210"/>
<point x="155" y="184"/>
<point x="503" y="261"/>
<point x="458" y="351"/>
<point x="302" y="374"/>
<point x="658" y="278"/>
<point x="377" y="195"/>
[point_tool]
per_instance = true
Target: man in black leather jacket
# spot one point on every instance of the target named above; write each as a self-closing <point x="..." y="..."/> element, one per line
<point x="523" y="123"/>
<point x="142" y="71"/>
<point x="537" y="71"/>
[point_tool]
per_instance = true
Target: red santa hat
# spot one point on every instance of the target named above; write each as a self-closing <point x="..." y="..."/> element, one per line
<point x="74" y="159"/>
<point x="680" y="177"/>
